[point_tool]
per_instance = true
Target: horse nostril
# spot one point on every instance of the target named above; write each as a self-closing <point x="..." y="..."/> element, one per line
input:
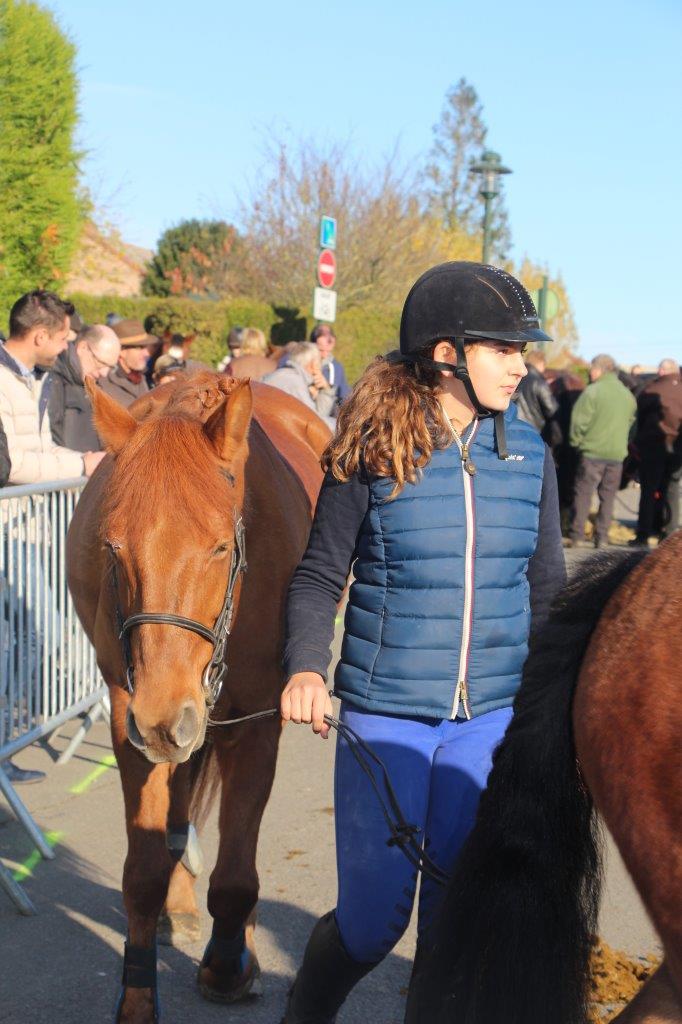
<point x="186" y="727"/>
<point x="134" y="734"/>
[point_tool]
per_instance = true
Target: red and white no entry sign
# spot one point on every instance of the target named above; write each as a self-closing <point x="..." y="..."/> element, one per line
<point x="326" y="268"/>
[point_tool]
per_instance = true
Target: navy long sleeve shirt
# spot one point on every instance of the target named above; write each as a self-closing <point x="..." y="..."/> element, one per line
<point x="319" y="580"/>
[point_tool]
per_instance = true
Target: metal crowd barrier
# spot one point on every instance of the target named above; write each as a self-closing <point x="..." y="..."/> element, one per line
<point x="48" y="669"/>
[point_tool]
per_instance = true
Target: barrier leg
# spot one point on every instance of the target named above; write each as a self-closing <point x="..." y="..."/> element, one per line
<point x="90" y="718"/>
<point x="17" y="895"/>
<point x="23" y="817"/>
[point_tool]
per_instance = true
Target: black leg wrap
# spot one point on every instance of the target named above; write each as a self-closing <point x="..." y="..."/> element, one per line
<point x="225" y="949"/>
<point x="139" y="971"/>
<point x="326" y="977"/>
<point x="139" y="967"/>
<point x="176" y="841"/>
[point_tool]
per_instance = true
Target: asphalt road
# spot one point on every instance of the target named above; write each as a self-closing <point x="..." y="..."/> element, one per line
<point x="64" y="964"/>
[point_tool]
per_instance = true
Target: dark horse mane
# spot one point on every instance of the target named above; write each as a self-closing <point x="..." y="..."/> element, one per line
<point x="521" y="909"/>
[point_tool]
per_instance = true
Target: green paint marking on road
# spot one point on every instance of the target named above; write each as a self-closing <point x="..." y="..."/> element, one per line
<point x="104" y="765"/>
<point x="25" y="869"/>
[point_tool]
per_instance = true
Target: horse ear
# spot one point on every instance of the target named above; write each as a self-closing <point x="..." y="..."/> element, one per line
<point x="113" y="423"/>
<point x="228" y="427"/>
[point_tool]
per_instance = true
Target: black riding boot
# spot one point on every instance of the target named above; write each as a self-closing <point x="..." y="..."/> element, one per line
<point x="326" y="977"/>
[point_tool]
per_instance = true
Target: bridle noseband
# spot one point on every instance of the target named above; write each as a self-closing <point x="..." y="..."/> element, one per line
<point x="214" y="673"/>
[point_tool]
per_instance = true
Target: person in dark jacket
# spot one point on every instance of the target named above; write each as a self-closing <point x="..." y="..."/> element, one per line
<point x="94" y="353"/>
<point x="658" y="445"/>
<point x="536" y="404"/>
<point x="128" y="382"/>
<point x="444" y="504"/>
<point x="5" y="464"/>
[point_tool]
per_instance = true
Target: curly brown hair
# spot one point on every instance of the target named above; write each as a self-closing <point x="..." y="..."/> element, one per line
<point x="391" y="423"/>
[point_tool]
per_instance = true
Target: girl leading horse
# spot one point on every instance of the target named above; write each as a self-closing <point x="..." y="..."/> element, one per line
<point x="445" y="504"/>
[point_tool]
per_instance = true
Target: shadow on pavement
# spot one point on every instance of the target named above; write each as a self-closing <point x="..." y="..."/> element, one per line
<point x="65" y="963"/>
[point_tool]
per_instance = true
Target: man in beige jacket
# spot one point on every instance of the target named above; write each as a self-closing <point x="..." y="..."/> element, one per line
<point x="39" y="327"/>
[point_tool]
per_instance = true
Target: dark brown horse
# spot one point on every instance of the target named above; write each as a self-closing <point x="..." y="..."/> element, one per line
<point x="155" y="532"/>
<point x="597" y="726"/>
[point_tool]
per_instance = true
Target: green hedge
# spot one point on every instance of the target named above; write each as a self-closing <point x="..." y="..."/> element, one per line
<point x="361" y="333"/>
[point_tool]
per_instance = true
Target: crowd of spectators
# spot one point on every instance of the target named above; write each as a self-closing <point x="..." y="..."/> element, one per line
<point x="622" y="426"/>
<point x="46" y="427"/>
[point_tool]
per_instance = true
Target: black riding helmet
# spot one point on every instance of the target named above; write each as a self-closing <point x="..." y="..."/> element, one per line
<point x="465" y="302"/>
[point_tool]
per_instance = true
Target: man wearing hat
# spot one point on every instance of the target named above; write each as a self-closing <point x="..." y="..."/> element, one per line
<point x="127" y="382"/>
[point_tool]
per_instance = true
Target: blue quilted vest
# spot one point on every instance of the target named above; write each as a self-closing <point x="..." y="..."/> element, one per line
<point x="438" y="614"/>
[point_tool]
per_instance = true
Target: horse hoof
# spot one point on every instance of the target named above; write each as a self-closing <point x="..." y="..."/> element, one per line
<point x="178" y="930"/>
<point x="233" y="988"/>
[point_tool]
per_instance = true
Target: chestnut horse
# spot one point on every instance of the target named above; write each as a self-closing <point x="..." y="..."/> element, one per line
<point x="597" y="724"/>
<point x="155" y="535"/>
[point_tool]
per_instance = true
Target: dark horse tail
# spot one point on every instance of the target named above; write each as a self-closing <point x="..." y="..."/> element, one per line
<point x="513" y="943"/>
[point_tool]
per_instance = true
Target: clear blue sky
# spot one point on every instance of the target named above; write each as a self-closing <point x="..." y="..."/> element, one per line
<point x="583" y="101"/>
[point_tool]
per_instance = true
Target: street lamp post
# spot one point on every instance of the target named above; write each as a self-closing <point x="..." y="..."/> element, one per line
<point x="490" y="168"/>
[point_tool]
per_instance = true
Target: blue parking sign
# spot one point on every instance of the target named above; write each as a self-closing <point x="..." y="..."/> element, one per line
<point x="328" y="232"/>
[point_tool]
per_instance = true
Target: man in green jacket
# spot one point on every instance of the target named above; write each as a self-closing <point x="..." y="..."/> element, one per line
<point x="600" y="425"/>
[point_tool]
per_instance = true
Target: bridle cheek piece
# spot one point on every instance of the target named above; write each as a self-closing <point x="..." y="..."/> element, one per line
<point x="216" y="670"/>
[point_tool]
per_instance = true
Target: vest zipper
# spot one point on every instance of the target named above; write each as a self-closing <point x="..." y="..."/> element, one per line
<point x="468" y="473"/>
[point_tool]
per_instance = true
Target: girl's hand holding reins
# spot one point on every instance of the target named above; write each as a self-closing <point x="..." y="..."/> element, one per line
<point x="305" y="699"/>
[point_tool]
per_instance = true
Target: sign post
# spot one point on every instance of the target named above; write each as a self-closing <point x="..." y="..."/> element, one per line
<point x="324" y="299"/>
<point x="546" y="302"/>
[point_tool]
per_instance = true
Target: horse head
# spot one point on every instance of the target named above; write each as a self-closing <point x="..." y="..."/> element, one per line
<point x="171" y="514"/>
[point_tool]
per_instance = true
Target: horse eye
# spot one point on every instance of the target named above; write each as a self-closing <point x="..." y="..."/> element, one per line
<point x="221" y="549"/>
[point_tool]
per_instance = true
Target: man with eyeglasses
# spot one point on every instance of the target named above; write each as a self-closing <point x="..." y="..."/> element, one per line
<point x="94" y="353"/>
<point x="128" y="382"/>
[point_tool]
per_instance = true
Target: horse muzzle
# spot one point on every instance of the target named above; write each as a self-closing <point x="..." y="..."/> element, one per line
<point x="175" y="741"/>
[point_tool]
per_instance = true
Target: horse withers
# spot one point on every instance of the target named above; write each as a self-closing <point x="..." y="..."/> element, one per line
<point x="152" y="559"/>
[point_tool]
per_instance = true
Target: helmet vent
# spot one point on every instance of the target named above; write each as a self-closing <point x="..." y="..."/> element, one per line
<point x="520" y="292"/>
<point x="493" y="289"/>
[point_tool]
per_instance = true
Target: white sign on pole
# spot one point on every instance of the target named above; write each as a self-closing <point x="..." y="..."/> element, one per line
<point x="324" y="305"/>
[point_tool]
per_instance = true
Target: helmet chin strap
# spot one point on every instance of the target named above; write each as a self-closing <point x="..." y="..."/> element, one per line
<point x="461" y="372"/>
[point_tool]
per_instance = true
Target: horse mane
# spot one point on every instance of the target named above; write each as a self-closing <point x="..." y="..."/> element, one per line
<point x="168" y="466"/>
<point x="521" y="909"/>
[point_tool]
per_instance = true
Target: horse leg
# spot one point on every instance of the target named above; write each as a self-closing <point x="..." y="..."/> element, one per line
<point x="147" y="869"/>
<point x="179" y="922"/>
<point x="655" y="1003"/>
<point x="229" y="970"/>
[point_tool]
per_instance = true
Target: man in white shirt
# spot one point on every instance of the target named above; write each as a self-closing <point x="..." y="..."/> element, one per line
<point x="39" y="328"/>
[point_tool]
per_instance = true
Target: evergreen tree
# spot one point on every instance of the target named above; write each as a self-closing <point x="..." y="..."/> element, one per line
<point x="452" y="192"/>
<point x="40" y="209"/>
<point x="193" y="258"/>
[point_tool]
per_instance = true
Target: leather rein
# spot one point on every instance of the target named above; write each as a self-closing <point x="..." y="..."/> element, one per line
<point x="214" y="673"/>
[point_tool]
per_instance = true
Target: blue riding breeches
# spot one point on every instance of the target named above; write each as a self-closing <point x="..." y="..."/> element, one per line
<point x="438" y="770"/>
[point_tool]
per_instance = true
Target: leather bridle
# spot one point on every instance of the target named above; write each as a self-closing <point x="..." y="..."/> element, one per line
<point x="215" y="671"/>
